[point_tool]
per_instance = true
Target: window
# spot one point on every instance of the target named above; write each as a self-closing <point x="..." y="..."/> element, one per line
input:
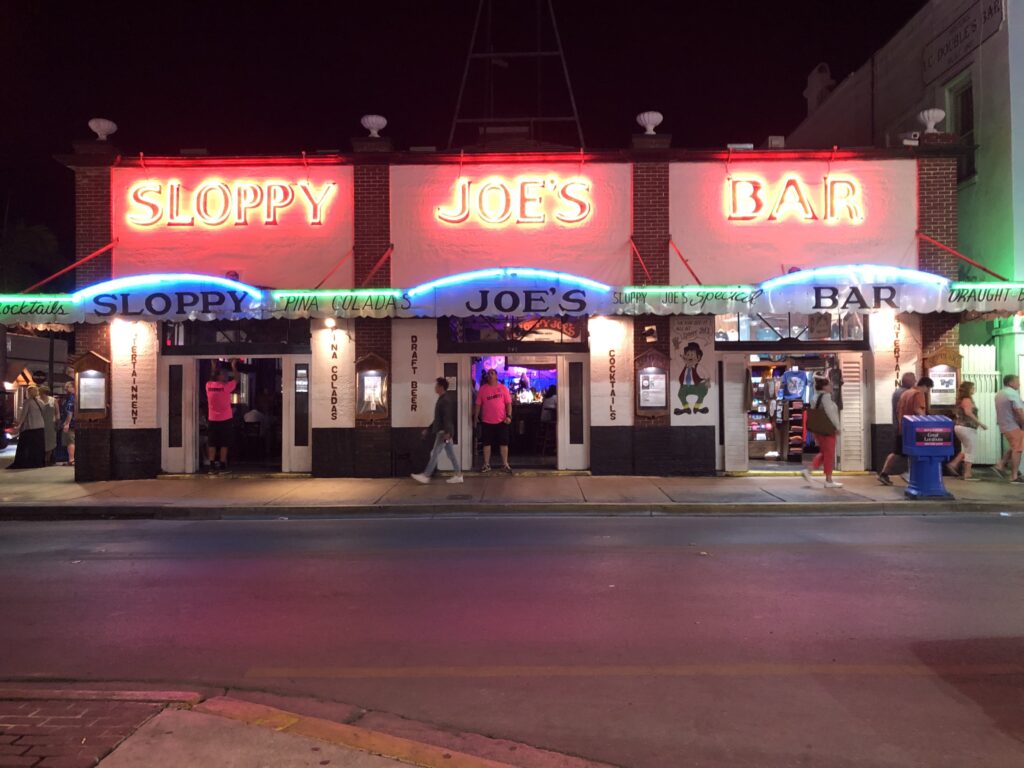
<point x="791" y="330"/>
<point x="960" y="97"/>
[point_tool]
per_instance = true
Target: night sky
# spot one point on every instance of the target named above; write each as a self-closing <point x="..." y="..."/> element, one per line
<point x="239" y="78"/>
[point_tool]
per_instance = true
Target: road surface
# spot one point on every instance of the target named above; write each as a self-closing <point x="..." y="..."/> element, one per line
<point x="649" y="642"/>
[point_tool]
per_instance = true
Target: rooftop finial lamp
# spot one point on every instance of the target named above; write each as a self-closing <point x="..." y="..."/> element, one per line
<point x="649" y="121"/>
<point x="929" y="118"/>
<point x="102" y="127"/>
<point x="374" y="124"/>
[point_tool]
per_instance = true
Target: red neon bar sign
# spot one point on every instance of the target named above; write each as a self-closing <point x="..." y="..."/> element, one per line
<point x="753" y="198"/>
<point x="524" y="201"/>
<point x="215" y="203"/>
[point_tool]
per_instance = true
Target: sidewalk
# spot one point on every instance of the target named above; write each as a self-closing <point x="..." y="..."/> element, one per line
<point x="51" y="493"/>
<point x="72" y="726"/>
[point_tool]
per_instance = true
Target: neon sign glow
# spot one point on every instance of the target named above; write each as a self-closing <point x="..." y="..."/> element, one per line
<point x="523" y="201"/>
<point x="508" y="272"/>
<point x="857" y="273"/>
<point x="165" y="281"/>
<point x="752" y="198"/>
<point x="215" y="203"/>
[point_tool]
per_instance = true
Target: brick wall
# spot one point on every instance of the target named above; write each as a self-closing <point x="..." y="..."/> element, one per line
<point x="372" y="226"/>
<point x="937" y="218"/>
<point x="372" y="223"/>
<point x="92" y="232"/>
<point x="650" y="233"/>
<point x="650" y="221"/>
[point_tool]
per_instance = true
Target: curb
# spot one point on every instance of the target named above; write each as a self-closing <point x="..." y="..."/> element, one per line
<point x="61" y="512"/>
<point x="352" y="736"/>
<point x="19" y="693"/>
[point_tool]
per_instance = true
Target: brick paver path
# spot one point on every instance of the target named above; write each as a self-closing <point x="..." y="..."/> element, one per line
<point x="65" y="734"/>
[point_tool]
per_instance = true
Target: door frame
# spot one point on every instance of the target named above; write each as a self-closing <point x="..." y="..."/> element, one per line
<point x="572" y="455"/>
<point x="183" y="459"/>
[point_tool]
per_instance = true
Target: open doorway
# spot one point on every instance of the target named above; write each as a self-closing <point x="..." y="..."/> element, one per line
<point x="254" y="434"/>
<point x="532" y="381"/>
<point x="780" y="390"/>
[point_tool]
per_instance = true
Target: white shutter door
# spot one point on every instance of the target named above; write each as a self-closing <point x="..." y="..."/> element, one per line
<point x="734" y="416"/>
<point x="854" y="431"/>
<point x="979" y="366"/>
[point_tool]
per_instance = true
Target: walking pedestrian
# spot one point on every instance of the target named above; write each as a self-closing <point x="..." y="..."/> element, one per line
<point x="1010" y="419"/>
<point x="68" y="421"/>
<point x="31" y="451"/>
<point x="49" y="422"/>
<point x="908" y="380"/>
<point x="913" y="402"/>
<point x="493" y="408"/>
<point x="966" y="428"/>
<point x="823" y="423"/>
<point x="219" y="417"/>
<point x="443" y="429"/>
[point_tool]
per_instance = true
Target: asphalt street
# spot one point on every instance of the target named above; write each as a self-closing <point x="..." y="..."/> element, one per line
<point x="650" y="642"/>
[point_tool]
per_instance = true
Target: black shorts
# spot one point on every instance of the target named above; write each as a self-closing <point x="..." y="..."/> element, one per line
<point x="494" y="435"/>
<point x="897" y="445"/>
<point x="219" y="434"/>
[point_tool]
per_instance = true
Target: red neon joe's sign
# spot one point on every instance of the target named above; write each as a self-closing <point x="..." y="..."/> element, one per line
<point x="216" y="203"/>
<point x="525" y="201"/>
<point x="753" y="198"/>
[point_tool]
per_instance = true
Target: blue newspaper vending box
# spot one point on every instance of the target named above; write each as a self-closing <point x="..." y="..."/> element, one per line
<point x="927" y="443"/>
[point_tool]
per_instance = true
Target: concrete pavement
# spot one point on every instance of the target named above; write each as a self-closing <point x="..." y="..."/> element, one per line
<point x="74" y="726"/>
<point x="51" y="493"/>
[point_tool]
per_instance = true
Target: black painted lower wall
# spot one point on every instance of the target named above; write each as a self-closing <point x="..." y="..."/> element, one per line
<point x="611" y="450"/>
<point x="881" y="444"/>
<point x="134" y="454"/>
<point x="371" y="452"/>
<point x="92" y="454"/>
<point x="333" y="452"/>
<point x="663" y="451"/>
<point x="410" y="450"/>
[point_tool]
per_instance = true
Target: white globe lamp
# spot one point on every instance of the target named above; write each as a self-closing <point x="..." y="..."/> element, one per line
<point x="649" y="121"/>
<point x="102" y="127"/>
<point x="374" y="124"/>
<point x="929" y="118"/>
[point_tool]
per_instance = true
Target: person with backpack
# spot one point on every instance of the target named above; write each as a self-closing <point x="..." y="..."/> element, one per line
<point x="823" y="423"/>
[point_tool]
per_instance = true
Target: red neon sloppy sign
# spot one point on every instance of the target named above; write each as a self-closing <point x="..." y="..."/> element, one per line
<point x="525" y="200"/>
<point x="216" y="203"/>
<point x="753" y="198"/>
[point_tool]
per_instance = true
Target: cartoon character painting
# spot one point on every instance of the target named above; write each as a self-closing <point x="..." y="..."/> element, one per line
<point x="691" y="383"/>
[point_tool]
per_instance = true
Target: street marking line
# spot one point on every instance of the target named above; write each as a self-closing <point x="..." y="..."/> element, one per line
<point x="690" y="670"/>
<point x="352" y="736"/>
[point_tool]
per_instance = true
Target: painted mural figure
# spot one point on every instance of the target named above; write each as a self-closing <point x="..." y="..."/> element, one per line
<point x="691" y="383"/>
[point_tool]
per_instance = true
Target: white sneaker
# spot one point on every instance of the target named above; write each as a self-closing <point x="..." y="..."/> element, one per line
<point x="833" y="484"/>
<point x="806" y="475"/>
<point x="419" y="477"/>
<point x="454" y="479"/>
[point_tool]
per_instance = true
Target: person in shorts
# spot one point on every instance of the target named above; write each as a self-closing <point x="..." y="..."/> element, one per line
<point x="493" y="411"/>
<point x="1010" y="417"/>
<point x="219" y="417"/>
<point x="913" y="402"/>
<point x="67" y="413"/>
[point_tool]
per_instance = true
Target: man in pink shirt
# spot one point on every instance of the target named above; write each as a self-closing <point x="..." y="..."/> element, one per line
<point x="493" y="409"/>
<point x="219" y="418"/>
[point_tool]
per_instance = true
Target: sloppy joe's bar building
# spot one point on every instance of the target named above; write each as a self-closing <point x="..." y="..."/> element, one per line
<point x="653" y="311"/>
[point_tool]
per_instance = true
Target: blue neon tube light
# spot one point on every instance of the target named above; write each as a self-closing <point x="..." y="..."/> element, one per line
<point x="873" y="273"/>
<point x="507" y="272"/>
<point x="164" y="281"/>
